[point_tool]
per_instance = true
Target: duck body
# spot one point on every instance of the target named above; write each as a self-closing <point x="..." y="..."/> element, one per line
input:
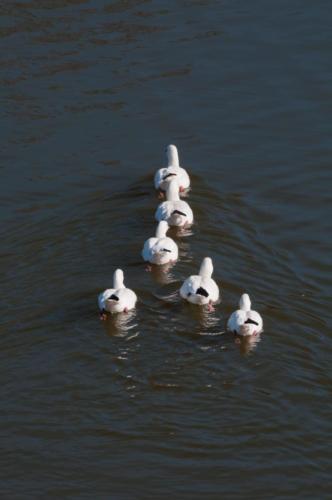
<point x="119" y="298"/>
<point x="245" y="321"/>
<point x="201" y="289"/>
<point x="164" y="175"/>
<point x="174" y="211"/>
<point x="160" y="249"/>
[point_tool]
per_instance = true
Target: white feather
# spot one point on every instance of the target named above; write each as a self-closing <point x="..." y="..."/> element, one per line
<point x="126" y="297"/>
<point x="169" y="209"/>
<point x="162" y="177"/>
<point x="160" y="249"/>
<point x="203" y="280"/>
<point x="237" y="321"/>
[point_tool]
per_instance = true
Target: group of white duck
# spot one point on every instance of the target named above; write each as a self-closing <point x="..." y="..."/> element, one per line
<point x="159" y="250"/>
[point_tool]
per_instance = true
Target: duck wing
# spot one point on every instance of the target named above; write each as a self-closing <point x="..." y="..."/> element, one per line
<point x="102" y="297"/>
<point x="164" y="211"/>
<point x="190" y="286"/>
<point x="236" y="319"/>
<point x="147" y="248"/>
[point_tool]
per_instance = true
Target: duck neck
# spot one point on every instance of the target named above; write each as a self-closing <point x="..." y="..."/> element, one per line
<point x="172" y="156"/>
<point x="162" y="229"/>
<point x="172" y="193"/>
<point x="118" y="279"/>
<point x="245" y="303"/>
<point x="206" y="268"/>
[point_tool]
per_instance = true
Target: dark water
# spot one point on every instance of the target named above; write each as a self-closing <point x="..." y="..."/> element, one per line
<point x="164" y="403"/>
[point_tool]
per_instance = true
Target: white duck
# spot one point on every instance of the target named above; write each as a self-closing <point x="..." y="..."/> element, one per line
<point x="173" y="171"/>
<point x="116" y="299"/>
<point x="201" y="289"/>
<point x="160" y="249"/>
<point x="175" y="211"/>
<point x="244" y="321"/>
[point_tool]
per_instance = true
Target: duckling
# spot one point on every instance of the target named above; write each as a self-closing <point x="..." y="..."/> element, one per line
<point x="116" y="299"/>
<point x="175" y="211"/>
<point x="160" y="249"/>
<point x="201" y="289"/>
<point x="164" y="175"/>
<point x="245" y="321"/>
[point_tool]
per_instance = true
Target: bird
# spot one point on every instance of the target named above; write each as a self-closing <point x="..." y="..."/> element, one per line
<point x="201" y="289"/>
<point x="160" y="249"/>
<point x="244" y="321"/>
<point x="175" y="211"/>
<point x="173" y="170"/>
<point x="116" y="299"/>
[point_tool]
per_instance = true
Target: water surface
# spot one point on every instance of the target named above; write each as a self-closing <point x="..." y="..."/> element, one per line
<point x="164" y="402"/>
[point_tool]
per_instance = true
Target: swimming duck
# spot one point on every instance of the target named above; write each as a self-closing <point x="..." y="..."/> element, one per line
<point x="173" y="171"/>
<point x="160" y="249"/>
<point x="175" y="211"/>
<point x="116" y="299"/>
<point x="244" y="321"/>
<point x="201" y="289"/>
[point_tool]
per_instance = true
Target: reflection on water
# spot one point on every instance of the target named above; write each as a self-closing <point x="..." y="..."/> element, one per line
<point x="121" y="324"/>
<point x="248" y="343"/>
<point x="205" y="318"/>
<point x="169" y="294"/>
<point x="180" y="232"/>
<point x="163" y="274"/>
